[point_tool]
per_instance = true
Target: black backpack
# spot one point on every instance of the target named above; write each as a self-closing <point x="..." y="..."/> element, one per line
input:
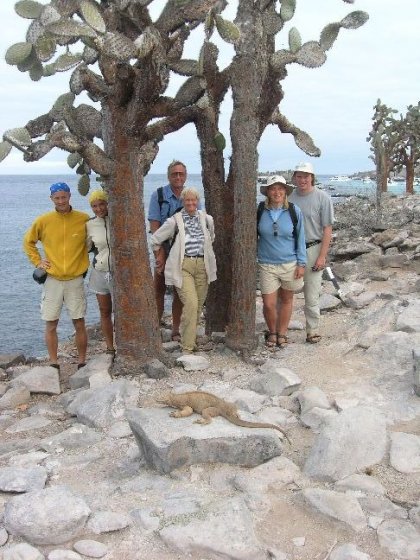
<point x="161" y="200"/>
<point x="293" y="217"/>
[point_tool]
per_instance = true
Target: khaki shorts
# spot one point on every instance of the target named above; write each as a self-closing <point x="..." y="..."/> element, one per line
<point x="100" y="282"/>
<point x="275" y="276"/>
<point x="56" y="292"/>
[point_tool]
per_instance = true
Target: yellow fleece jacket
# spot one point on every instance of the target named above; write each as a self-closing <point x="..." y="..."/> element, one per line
<point x="63" y="238"/>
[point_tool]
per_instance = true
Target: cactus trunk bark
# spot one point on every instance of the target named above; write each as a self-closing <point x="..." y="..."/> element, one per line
<point x="136" y="325"/>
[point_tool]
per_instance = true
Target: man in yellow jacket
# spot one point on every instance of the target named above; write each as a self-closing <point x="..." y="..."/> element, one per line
<point x="62" y="233"/>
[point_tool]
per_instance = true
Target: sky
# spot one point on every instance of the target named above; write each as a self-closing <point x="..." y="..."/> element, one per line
<point x="333" y="103"/>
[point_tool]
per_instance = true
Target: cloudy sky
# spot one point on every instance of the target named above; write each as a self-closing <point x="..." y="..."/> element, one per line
<point x="333" y="103"/>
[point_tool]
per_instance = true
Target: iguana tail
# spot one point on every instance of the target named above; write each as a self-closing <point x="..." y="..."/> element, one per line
<point x="245" y="424"/>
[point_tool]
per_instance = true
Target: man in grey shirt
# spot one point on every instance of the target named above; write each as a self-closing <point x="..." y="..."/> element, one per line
<point x="318" y="213"/>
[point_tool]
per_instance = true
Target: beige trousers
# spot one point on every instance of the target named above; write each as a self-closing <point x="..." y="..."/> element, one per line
<point x="193" y="294"/>
<point x="312" y="291"/>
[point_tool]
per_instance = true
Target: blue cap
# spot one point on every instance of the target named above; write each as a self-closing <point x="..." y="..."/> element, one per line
<point x="59" y="187"/>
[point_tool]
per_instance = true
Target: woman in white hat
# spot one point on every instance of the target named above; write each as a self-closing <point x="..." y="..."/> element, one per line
<point x="281" y="257"/>
<point x="100" y="281"/>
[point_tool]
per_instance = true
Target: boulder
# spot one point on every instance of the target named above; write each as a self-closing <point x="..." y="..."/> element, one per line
<point x="275" y="380"/>
<point x="400" y="538"/>
<point x="169" y="443"/>
<point x="351" y="441"/>
<point x="14" y="479"/>
<point x="404" y="455"/>
<point x="50" y="516"/>
<point x="40" y="379"/>
<point x="337" y="505"/>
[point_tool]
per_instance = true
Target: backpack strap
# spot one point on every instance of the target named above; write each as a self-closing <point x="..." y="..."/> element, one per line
<point x="260" y="210"/>
<point x="294" y="218"/>
<point x="161" y="200"/>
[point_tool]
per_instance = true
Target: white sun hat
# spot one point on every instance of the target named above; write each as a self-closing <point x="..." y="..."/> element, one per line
<point x="276" y="180"/>
<point x="304" y="167"/>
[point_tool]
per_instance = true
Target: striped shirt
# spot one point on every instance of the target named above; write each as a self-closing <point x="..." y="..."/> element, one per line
<point x="194" y="235"/>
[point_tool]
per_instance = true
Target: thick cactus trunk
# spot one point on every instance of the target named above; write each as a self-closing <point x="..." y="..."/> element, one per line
<point x="137" y="334"/>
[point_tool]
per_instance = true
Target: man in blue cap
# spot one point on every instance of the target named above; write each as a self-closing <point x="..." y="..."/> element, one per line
<point x="62" y="233"/>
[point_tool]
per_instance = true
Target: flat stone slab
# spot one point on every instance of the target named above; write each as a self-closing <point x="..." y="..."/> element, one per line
<point x="349" y="442"/>
<point x="338" y="506"/>
<point x="169" y="443"/>
<point x="34" y="515"/>
<point x="29" y="423"/>
<point x="22" y="551"/>
<point x="14" y="479"/>
<point x="401" y="538"/>
<point x="76" y="437"/>
<point x="404" y="455"/>
<point x="227" y="532"/>
<point x="40" y="379"/>
<point x="99" y="364"/>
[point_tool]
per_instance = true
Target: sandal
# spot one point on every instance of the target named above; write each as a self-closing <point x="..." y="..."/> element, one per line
<point x="110" y="351"/>
<point x="270" y="343"/>
<point x="55" y="366"/>
<point x="176" y="337"/>
<point x="282" y="340"/>
<point x="313" y="338"/>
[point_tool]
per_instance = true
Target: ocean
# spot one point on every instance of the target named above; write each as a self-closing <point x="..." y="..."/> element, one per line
<point x="23" y="197"/>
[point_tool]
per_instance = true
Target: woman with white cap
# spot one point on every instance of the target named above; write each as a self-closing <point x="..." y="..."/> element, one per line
<point x="100" y="281"/>
<point x="318" y="213"/>
<point x="281" y="257"/>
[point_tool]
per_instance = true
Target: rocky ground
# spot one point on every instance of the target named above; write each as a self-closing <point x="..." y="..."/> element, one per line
<point x="94" y="467"/>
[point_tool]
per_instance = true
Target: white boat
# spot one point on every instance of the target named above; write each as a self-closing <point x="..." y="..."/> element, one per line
<point x="340" y="178"/>
<point x="366" y="180"/>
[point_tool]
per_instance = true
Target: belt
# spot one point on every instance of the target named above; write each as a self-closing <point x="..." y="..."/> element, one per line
<point x="311" y="243"/>
<point x="194" y="256"/>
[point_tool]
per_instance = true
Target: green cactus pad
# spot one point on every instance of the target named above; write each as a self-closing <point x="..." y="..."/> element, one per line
<point x="63" y="101"/>
<point x="185" y="67"/>
<point x="36" y="71"/>
<point x="227" y="30"/>
<point x="191" y="90"/>
<point x="119" y="47"/>
<point x="29" y="61"/>
<point x="73" y="159"/>
<point x="17" y="53"/>
<point x="92" y="16"/>
<point x="49" y="15"/>
<point x="354" y="20"/>
<point x="311" y="55"/>
<point x="90" y="55"/>
<point x="49" y="70"/>
<point x="219" y="141"/>
<point x="328" y="35"/>
<point x="28" y="9"/>
<point x="66" y="61"/>
<point x="209" y="24"/>
<point x="5" y="148"/>
<point x="76" y="82"/>
<point x="83" y="185"/>
<point x="295" y="40"/>
<point x="287" y="10"/>
<point x="45" y="48"/>
<point x="18" y="136"/>
<point x="68" y="28"/>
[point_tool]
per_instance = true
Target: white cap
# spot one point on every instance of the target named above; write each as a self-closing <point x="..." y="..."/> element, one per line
<point x="276" y="180"/>
<point x="305" y="167"/>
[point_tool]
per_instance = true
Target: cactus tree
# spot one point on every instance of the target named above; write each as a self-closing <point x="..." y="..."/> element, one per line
<point x="407" y="150"/>
<point x="255" y="76"/>
<point x="122" y="59"/>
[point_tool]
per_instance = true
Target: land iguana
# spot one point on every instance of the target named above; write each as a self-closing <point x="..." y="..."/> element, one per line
<point x="209" y="406"/>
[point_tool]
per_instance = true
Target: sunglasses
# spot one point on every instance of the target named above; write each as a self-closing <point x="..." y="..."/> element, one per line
<point x="275" y="229"/>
